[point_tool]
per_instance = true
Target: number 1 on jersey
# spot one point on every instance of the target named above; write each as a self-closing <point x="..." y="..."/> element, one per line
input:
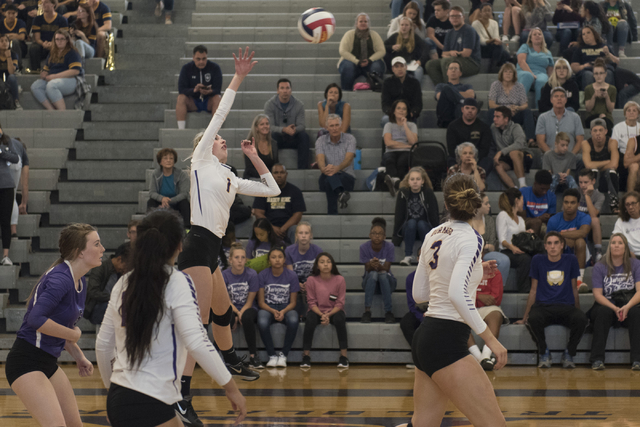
<point x="228" y="184"/>
<point x="436" y="248"/>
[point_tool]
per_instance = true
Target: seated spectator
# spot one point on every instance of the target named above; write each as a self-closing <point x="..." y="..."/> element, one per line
<point x="567" y="18"/>
<point x="243" y="286"/>
<point x="326" y="291"/>
<point x="267" y="151"/>
<point x="361" y="52"/>
<point x="377" y="256"/>
<point x="84" y="32"/>
<point x="508" y="224"/>
<point x="335" y="153"/>
<point x="8" y="68"/>
<point x="199" y="86"/>
<point x="507" y="91"/>
<point x="451" y="95"/>
<point x="561" y="76"/>
<point x="627" y="85"/>
<point x="469" y="128"/>
<point x="411" y="11"/>
<point x="399" y="87"/>
<point x="58" y="78"/>
<point x="631" y="160"/>
<point x="169" y="188"/>
<point x="408" y="45"/>
<point x="416" y="211"/>
<point x="476" y="9"/>
<point x="623" y="133"/>
<point x="560" y="162"/>
<point x="9" y="154"/>
<point x="399" y="135"/>
<point x="616" y="13"/>
<point x="167" y="6"/>
<point x="591" y="47"/>
<point x="512" y="15"/>
<point x="20" y="173"/>
<point x="277" y="301"/>
<point x="601" y="153"/>
<point x="591" y="202"/>
<point x="574" y="226"/>
<point x="616" y="279"/>
<point x="535" y="62"/>
<point x="467" y="163"/>
<point x="132" y="230"/>
<point x="438" y="25"/>
<point x="414" y="317"/>
<point x="592" y="15"/>
<point x="485" y="225"/>
<point x="263" y="239"/>
<point x="16" y="31"/>
<point x="102" y="14"/>
<point x="333" y="104"/>
<point x="539" y="202"/>
<point x="43" y="37"/>
<point x="286" y="115"/>
<point x="600" y="96"/>
<point x="511" y="143"/>
<point x="462" y="43"/>
<point x="300" y="257"/>
<point x="559" y="119"/>
<point x="629" y="222"/>
<point x="488" y="300"/>
<point x="535" y="14"/>
<point x="553" y="300"/>
<point x="397" y="6"/>
<point x="101" y="281"/>
<point x="284" y="212"/>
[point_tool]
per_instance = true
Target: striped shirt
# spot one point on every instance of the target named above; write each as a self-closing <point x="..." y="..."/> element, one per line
<point x="335" y="153"/>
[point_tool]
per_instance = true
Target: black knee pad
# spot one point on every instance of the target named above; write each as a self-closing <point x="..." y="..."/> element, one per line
<point x="223" y="320"/>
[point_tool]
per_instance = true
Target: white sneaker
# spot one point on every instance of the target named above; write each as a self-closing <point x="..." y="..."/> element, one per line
<point x="18" y="106"/>
<point x="159" y="8"/>
<point x="282" y="360"/>
<point x="505" y="38"/>
<point x="515" y="39"/>
<point x="6" y="261"/>
<point x="621" y="54"/>
<point x="406" y="260"/>
<point x="273" y="361"/>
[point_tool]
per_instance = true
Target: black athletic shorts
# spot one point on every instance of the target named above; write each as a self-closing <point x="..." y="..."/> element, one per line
<point x="200" y="249"/>
<point x="438" y="343"/>
<point x="25" y="357"/>
<point x="130" y="408"/>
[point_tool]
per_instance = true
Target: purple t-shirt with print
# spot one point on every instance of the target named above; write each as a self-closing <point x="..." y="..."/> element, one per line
<point x="618" y="281"/>
<point x="302" y="264"/>
<point x="241" y="285"/>
<point x="367" y="253"/>
<point x="277" y="290"/>
<point x="262" y="248"/>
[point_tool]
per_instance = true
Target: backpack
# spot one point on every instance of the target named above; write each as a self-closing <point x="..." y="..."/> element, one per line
<point x="432" y="156"/>
<point x="6" y="100"/>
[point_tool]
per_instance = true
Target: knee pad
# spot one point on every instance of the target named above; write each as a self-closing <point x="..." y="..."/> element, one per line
<point x="223" y="320"/>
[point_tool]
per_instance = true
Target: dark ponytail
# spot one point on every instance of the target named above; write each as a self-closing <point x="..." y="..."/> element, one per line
<point x="159" y="237"/>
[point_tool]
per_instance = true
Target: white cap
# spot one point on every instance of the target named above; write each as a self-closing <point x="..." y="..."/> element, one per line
<point x="397" y="59"/>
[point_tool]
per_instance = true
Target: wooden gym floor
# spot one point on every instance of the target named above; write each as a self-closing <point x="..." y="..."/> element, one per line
<point x="373" y="395"/>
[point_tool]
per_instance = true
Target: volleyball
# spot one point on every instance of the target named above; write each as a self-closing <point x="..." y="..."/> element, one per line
<point x="316" y="25"/>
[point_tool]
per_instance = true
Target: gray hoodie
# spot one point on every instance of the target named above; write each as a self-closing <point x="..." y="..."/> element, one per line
<point x="511" y="138"/>
<point x="294" y="113"/>
<point x="181" y="181"/>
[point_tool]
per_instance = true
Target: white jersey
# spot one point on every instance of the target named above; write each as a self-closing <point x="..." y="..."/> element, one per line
<point x="214" y="185"/>
<point x="449" y="272"/>
<point x="179" y="330"/>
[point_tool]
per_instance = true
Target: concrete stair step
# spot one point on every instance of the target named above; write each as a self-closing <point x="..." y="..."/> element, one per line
<point x="114" y="150"/>
<point x="127" y="113"/>
<point x="139" y="78"/>
<point x="146" y="61"/>
<point x="150" y="45"/>
<point x="96" y="192"/>
<point x="298" y="65"/>
<point x="28" y="225"/>
<point x="102" y="131"/>
<point x="48" y="158"/>
<point x="140" y="94"/>
<point x="245" y="19"/>
<point x="110" y="237"/>
<point x="9" y="276"/>
<point x="30" y="119"/>
<point x="106" y="170"/>
<point x="135" y="17"/>
<point x="40" y="262"/>
<point x="28" y="102"/>
<point x="290" y="6"/>
<point x="39" y="201"/>
<point x="145" y="30"/>
<point x="43" y="179"/>
<point x="19" y="251"/>
<point x="269" y="49"/>
<point x="96" y="214"/>
<point x="4" y="302"/>
<point x="264" y="33"/>
<point x="119" y="6"/>
<point x="43" y="138"/>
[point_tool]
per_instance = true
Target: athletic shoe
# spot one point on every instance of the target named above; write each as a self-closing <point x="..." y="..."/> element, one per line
<point x="635" y="366"/>
<point x="343" y="363"/>
<point x="488" y="363"/>
<point x="583" y="288"/>
<point x="598" y="365"/>
<point x="505" y="39"/>
<point x="273" y="360"/>
<point x="306" y="362"/>
<point x="406" y="260"/>
<point x="241" y="369"/>
<point x="545" y="360"/>
<point x="186" y="413"/>
<point x="598" y="257"/>
<point x="515" y="39"/>
<point x="410" y="366"/>
<point x="391" y="186"/>
<point x="255" y="363"/>
<point x="567" y="360"/>
<point x="366" y="317"/>
<point x="18" y="106"/>
<point x="621" y="53"/>
<point x="343" y="199"/>
<point x="389" y="317"/>
<point x="282" y="360"/>
<point x="6" y="261"/>
<point x="159" y="8"/>
<point x="167" y="20"/>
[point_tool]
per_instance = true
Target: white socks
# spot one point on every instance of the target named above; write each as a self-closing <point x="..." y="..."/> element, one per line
<point x="475" y="351"/>
<point x="582" y="272"/>
<point x="522" y="182"/>
<point x="182" y="124"/>
<point x="486" y="352"/>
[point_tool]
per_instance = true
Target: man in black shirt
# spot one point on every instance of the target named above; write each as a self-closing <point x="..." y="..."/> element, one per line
<point x="400" y="86"/>
<point x="469" y="128"/>
<point x="101" y="281"/>
<point x="438" y="26"/>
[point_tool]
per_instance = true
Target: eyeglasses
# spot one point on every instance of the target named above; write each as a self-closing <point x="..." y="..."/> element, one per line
<point x="630" y="204"/>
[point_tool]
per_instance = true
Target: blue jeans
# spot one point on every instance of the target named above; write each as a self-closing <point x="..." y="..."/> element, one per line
<point x="86" y="50"/>
<point x="265" y="319"/>
<point x="570" y="182"/>
<point x="504" y="264"/>
<point x="349" y="72"/>
<point x="621" y="34"/>
<point x="417" y="74"/>
<point x="12" y="85"/>
<point x="527" y="80"/>
<point x="53" y="90"/>
<point x="385" y="282"/>
<point x="413" y="228"/>
<point x="566" y="36"/>
<point x="334" y="185"/>
<point x="432" y="46"/>
<point x="299" y="141"/>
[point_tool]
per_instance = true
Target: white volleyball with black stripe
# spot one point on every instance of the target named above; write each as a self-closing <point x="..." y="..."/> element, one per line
<point x="316" y="25"/>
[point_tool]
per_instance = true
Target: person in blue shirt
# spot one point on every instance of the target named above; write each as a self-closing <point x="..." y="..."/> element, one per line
<point x="199" y="86"/>
<point x="539" y="202"/>
<point x="169" y="187"/>
<point x="574" y="227"/>
<point x="49" y="326"/>
<point x="553" y="299"/>
<point x="44" y="28"/>
<point x="16" y="31"/>
<point x="58" y="78"/>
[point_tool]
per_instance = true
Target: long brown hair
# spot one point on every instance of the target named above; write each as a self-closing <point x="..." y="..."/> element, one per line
<point x="417" y="21"/>
<point x="507" y="201"/>
<point x="607" y="259"/>
<point x="409" y="43"/>
<point x="423" y="173"/>
<point x="462" y="197"/>
<point x="91" y="20"/>
<point x="57" y="55"/>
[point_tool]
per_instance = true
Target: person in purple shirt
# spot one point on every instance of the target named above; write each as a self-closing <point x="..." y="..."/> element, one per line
<point x="262" y="240"/>
<point x="277" y="296"/>
<point x="242" y="284"/>
<point x="377" y="256"/>
<point x="300" y="258"/>
<point x="414" y="316"/>
<point x="54" y="307"/>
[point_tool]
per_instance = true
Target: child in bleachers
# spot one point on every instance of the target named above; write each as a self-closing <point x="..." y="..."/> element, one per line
<point x="560" y="162"/>
<point x="591" y="202"/>
<point x="300" y="258"/>
<point x="377" y="256"/>
<point x="262" y="239"/>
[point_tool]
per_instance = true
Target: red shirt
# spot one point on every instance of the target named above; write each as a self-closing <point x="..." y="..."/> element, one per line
<point x="491" y="287"/>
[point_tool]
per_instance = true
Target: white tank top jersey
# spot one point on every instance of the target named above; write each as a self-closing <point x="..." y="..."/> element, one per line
<point x="449" y="272"/>
<point x="214" y="185"/>
<point x="179" y="331"/>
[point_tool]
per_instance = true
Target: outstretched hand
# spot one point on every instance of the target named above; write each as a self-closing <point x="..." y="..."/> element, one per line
<point x="244" y="62"/>
<point x="249" y="147"/>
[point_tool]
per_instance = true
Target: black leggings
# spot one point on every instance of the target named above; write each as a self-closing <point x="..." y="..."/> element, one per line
<point x="339" y="320"/>
<point x="6" y="207"/>
<point x="397" y="163"/>
<point x="249" y="328"/>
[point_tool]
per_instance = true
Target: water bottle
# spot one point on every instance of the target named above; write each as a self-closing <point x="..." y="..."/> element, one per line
<point x="357" y="164"/>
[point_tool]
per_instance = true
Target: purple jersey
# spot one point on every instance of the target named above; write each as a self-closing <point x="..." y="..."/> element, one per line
<point x="55" y="298"/>
<point x="367" y="253"/>
<point x="241" y="285"/>
<point x="254" y="251"/>
<point x="302" y="264"/>
<point x="278" y="290"/>
<point x="618" y="281"/>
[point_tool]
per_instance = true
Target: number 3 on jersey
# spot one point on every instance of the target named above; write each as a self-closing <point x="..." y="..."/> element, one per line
<point x="436" y="248"/>
<point x="228" y="184"/>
